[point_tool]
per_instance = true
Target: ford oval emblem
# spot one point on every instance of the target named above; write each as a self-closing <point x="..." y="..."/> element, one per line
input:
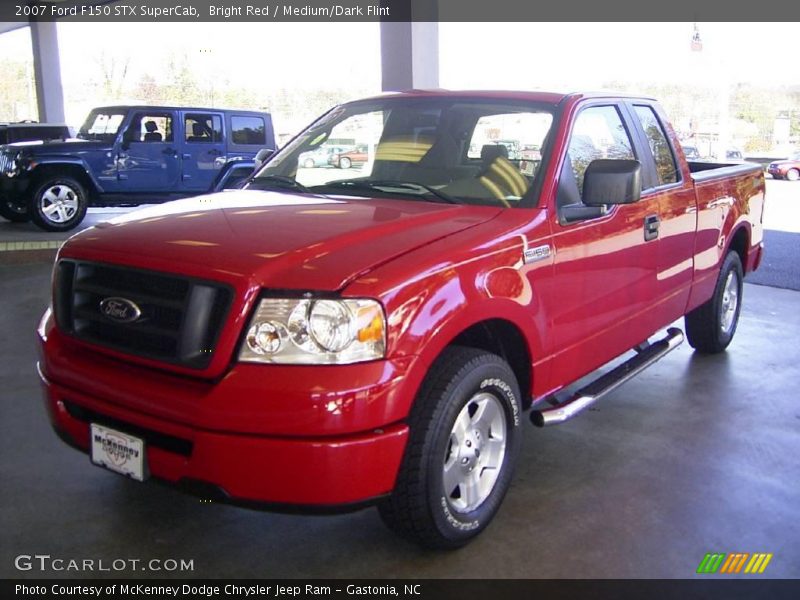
<point x="120" y="310"/>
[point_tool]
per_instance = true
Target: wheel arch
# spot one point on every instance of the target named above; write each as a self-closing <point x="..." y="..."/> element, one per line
<point x="75" y="169"/>
<point x="498" y="331"/>
<point x="740" y="243"/>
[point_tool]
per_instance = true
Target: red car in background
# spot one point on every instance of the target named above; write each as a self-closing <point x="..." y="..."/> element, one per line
<point x="786" y="169"/>
<point x="345" y="160"/>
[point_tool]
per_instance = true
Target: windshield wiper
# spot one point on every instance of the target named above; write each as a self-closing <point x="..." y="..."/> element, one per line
<point x="431" y="193"/>
<point x="281" y="181"/>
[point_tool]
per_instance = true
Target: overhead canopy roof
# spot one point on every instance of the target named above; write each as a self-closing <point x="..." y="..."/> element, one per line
<point x="6" y="27"/>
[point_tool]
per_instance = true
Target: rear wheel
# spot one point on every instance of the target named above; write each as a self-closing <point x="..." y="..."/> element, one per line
<point x="463" y="445"/>
<point x="793" y="174"/>
<point x="711" y="326"/>
<point x="308" y="163"/>
<point x="58" y="204"/>
<point x="14" y="212"/>
<point x="345" y="163"/>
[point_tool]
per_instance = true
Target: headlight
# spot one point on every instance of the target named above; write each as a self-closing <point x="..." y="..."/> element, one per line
<point x="310" y="332"/>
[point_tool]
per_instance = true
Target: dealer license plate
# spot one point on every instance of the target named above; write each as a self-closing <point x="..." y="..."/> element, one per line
<point x="118" y="451"/>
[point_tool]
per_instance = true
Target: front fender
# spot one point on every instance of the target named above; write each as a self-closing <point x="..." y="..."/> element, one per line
<point x="430" y="315"/>
<point x="61" y="161"/>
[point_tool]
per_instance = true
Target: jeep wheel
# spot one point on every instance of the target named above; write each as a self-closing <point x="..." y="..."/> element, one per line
<point x="463" y="444"/>
<point x="345" y="163"/>
<point x="710" y="326"/>
<point x="58" y="204"/>
<point x="308" y="163"/>
<point x="793" y="174"/>
<point x="14" y="212"/>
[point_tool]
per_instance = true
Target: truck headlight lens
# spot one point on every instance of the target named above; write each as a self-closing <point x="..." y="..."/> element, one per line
<point x="304" y="331"/>
<point x="331" y="325"/>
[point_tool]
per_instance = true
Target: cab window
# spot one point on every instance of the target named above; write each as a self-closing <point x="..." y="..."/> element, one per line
<point x="666" y="169"/>
<point x="150" y="127"/>
<point x="599" y="132"/>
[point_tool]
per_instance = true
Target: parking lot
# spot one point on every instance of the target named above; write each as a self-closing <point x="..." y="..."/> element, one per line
<point x="626" y="476"/>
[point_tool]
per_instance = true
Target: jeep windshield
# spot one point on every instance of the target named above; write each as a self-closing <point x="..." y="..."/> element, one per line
<point x="451" y="150"/>
<point x="102" y="124"/>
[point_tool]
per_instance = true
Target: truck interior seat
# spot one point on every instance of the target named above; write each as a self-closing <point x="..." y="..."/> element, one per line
<point x="152" y="134"/>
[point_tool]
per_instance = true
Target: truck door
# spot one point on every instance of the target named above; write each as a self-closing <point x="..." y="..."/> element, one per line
<point x="148" y="159"/>
<point x="677" y="218"/>
<point x="604" y="268"/>
<point x="203" y="150"/>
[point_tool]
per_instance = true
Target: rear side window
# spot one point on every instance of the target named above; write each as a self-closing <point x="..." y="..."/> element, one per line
<point x="203" y="128"/>
<point x="666" y="169"/>
<point x="248" y="130"/>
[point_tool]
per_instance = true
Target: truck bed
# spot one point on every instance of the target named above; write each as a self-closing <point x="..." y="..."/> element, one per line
<point x="705" y="171"/>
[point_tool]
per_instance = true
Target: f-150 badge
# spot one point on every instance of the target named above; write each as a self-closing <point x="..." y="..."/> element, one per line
<point x="535" y="254"/>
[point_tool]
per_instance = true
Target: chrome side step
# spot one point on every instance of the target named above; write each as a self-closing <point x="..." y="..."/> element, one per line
<point x="584" y="398"/>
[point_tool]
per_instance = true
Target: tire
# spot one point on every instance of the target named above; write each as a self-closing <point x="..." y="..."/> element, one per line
<point x="58" y="204"/>
<point x="710" y="327"/>
<point x="447" y="492"/>
<point x="345" y="163"/>
<point x="793" y="174"/>
<point x="14" y="212"/>
<point x="309" y="163"/>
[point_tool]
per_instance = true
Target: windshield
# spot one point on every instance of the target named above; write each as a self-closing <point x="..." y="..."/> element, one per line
<point x="101" y="125"/>
<point x="461" y="151"/>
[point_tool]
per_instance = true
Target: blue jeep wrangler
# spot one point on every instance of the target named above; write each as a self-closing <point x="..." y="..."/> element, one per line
<point x="126" y="155"/>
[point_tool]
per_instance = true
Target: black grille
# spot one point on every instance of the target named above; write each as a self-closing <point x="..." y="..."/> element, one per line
<point x="179" y="318"/>
<point x="6" y="163"/>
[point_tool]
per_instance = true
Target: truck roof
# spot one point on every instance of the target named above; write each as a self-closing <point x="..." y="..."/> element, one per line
<point x="530" y="96"/>
<point x="190" y="108"/>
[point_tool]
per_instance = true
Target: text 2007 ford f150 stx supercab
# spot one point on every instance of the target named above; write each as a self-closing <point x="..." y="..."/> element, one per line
<point x="331" y="338"/>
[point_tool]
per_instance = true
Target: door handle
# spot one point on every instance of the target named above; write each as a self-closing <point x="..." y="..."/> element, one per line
<point x="651" y="225"/>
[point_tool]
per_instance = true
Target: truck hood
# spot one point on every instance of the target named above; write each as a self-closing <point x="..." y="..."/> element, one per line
<point x="70" y="145"/>
<point x="275" y="240"/>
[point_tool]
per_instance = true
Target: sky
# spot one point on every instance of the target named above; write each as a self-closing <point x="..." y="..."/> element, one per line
<point x="585" y="55"/>
<point x="507" y="55"/>
<point x="556" y="56"/>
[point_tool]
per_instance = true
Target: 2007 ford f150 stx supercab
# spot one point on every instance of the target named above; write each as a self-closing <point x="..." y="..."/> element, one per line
<point x="330" y="338"/>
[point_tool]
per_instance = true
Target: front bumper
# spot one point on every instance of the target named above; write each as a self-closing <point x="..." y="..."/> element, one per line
<point x="776" y="172"/>
<point x="240" y="436"/>
<point x="14" y="189"/>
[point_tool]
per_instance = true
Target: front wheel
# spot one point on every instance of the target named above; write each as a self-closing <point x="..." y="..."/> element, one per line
<point x="345" y="163"/>
<point x="710" y="326"/>
<point x="463" y="446"/>
<point x="58" y="204"/>
<point x="793" y="174"/>
<point x="14" y="212"/>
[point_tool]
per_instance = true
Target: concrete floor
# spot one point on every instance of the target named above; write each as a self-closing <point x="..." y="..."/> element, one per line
<point x="696" y="455"/>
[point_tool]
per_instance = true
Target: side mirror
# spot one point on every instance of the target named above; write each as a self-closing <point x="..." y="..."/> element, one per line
<point x="612" y="182"/>
<point x="263" y="156"/>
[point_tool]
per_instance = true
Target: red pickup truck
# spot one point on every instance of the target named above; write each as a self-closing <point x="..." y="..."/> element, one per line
<point x="326" y="339"/>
